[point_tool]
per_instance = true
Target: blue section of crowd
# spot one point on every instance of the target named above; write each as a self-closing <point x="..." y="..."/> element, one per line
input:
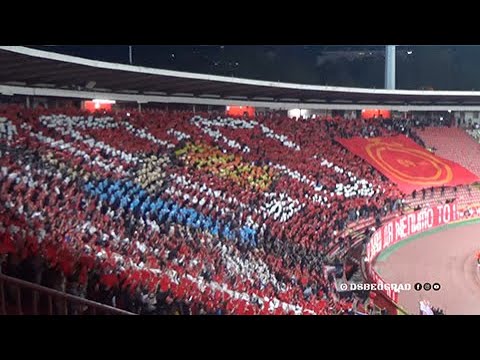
<point x="132" y="197"/>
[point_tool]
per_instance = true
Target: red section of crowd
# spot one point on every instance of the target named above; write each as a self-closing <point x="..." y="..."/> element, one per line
<point x="120" y="257"/>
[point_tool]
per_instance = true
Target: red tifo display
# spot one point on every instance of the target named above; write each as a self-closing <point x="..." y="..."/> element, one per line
<point x="407" y="164"/>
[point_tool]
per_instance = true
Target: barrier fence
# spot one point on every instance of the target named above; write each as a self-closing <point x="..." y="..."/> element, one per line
<point x="405" y="226"/>
<point x="19" y="297"/>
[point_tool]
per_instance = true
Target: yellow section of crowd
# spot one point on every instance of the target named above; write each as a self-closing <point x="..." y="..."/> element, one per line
<point x="231" y="166"/>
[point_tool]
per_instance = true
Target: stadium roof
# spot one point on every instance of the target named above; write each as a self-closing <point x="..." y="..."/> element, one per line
<point x="27" y="71"/>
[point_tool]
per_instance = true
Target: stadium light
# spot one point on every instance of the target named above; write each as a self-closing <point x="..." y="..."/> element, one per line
<point x="294" y="113"/>
<point x="102" y="101"/>
<point x="409" y="52"/>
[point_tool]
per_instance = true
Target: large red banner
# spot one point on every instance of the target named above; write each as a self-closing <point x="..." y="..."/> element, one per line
<point x="407" y="164"/>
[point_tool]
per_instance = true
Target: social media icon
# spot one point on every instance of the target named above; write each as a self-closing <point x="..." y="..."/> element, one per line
<point x="436" y="286"/>
<point x="427" y="286"/>
<point x="417" y="286"/>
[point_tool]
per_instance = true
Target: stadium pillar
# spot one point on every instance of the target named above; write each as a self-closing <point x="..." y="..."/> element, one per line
<point x="390" y="67"/>
<point x="139" y="107"/>
<point x="27" y="102"/>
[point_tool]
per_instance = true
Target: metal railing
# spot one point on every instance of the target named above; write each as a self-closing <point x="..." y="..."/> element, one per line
<point x="19" y="297"/>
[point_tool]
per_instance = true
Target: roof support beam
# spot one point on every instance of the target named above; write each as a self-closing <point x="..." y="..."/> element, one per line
<point x="27" y="54"/>
<point x="30" y="91"/>
<point x="21" y="64"/>
<point x="390" y="67"/>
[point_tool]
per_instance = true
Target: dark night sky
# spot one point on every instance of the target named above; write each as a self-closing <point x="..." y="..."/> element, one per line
<point x="437" y="67"/>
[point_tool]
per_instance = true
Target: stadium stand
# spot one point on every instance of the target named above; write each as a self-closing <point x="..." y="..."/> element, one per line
<point x="160" y="212"/>
<point x="453" y="144"/>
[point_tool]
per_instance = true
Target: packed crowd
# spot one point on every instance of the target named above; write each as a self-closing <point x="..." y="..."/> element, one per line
<point x="171" y="212"/>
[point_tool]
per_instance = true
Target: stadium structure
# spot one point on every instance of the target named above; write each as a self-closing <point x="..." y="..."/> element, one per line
<point x="133" y="190"/>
